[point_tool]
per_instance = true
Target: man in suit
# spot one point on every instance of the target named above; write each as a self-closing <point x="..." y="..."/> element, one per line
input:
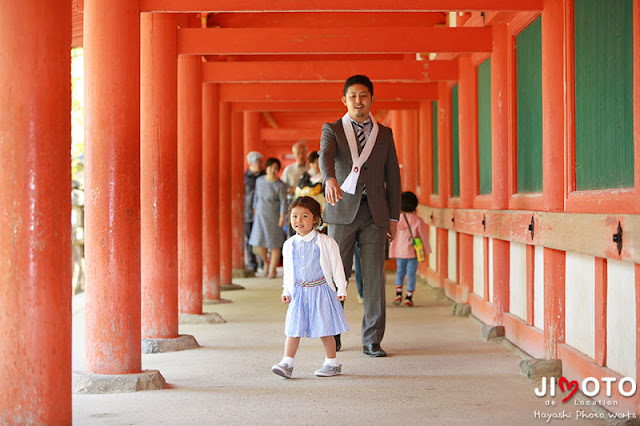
<point x="360" y="170"/>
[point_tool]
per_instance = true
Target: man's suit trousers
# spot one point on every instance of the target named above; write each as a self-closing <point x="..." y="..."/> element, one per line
<point x="371" y="240"/>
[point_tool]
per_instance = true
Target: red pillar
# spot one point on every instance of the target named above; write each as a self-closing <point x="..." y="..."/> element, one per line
<point x="410" y="149"/>
<point x="398" y="137"/>
<point x="553" y="183"/>
<point x="426" y="151"/>
<point x="224" y="213"/>
<point x="190" y="195"/>
<point x="35" y="232"/>
<point x="500" y="118"/>
<point x="210" y="190"/>
<point x="554" y="289"/>
<point x="112" y="173"/>
<point x="553" y="105"/>
<point x="467" y="89"/>
<point x="444" y="144"/>
<point x="251" y="133"/>
<point x="237" y="191"/>
<point x="444" y="176"/>
<point x="442" y="243"/>
<point x="500" y="163"/>
<point x="468" y="125"/>
<point x="158" y="176"/>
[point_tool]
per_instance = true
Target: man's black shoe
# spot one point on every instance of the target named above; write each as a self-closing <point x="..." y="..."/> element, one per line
<point x="338" y="344"/>
<point x="374" y="350"/>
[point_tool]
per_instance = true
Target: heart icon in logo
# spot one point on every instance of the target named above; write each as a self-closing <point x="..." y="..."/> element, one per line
<point x="572" y="387"/>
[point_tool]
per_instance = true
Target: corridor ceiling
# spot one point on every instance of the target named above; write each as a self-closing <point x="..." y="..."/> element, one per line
<point x="292" y="55"/>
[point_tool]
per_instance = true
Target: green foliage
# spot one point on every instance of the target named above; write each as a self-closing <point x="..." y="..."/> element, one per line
<point x="77" y="112"/>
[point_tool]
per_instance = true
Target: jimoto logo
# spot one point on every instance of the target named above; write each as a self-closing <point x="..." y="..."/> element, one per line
<point x="591" y="386"/>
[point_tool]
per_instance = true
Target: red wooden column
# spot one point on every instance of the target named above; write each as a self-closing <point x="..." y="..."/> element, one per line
<point x="112" y="209"/>
<point x="553" y="135"/>
<point x="554" y="300"/>
<point x="35" y="232"/>
<point x="444" y="144"/>
<point x="500" y="163"/>
<point x="425" y="154"/>
<point x="398" y="138"/>
<point x="467" y="89"/>
<point x="236" y="168"/>
<point x="410" y="149"/>
<point x="553" y="117"/>
<point x="158" y="176"/>
<point x="444" y="176"/>
<point x="112" y="173"/>
<point x="468" y="125"/>
<point x="251" y="134"/>
<point x="425" y="151"/>
<point x="190" y="195"/>
<point x="224" y="213"/>
<point x="210" y="191"/>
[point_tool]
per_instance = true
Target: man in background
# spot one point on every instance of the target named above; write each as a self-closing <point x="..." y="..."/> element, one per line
<point x="254" y="158"/>
<point x="293" y="172"/>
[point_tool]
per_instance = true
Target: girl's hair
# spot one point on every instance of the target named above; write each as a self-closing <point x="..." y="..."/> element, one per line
<point x="270" y="161"/>
<point x="409" y="202"/>
<point x="313" y="156"/>
<point x="310" y="204"/>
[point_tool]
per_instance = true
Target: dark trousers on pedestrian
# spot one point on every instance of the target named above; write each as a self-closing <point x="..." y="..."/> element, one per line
<point x="251" y="261"/>
<point x="371" y="240"/>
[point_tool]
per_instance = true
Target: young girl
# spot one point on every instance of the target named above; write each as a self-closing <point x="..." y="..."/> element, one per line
<point x="312" y="272"/>
<point x="402" y="247"/>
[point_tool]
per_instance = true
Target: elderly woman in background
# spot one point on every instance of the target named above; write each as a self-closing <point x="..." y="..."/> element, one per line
<point x="270" y="207"/>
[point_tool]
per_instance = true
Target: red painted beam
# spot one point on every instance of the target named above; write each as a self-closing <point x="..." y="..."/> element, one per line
<point x="341" y="56"/>
<point x="328" y="19"/>
<point x="293" y="134"/>
<point x="256" y="41"/>
<point x="235" y="92"/>
<point x="335" y="105"/>
<point x="334" y="5"/>
<point x="242" y="72"/>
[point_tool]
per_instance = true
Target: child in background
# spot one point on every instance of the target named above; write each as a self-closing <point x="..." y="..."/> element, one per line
<point x="313" y="272"/>
<point x="402" y="249"/>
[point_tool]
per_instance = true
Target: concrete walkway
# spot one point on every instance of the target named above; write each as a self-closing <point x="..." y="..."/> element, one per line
<point x="438" y="372"/>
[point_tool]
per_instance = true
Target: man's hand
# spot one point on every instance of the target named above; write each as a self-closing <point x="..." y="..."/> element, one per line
<point x="392" y="230"/>
<point x="332" y="191"/>
<point x="281" y="221"/>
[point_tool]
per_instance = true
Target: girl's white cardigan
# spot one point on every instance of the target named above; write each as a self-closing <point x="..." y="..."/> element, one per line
<point x="330" y="262"/>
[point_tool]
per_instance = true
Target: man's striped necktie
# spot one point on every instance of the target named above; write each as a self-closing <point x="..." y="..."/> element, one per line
<point x="362" y="140"/>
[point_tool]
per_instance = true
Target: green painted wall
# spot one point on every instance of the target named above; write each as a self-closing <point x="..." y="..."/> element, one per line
<point x="484" y="127"/>
<point x="455" y="142"/>
<point x="604" y="94"/>
<point x="435" y="145"/>
<point x="529" y="104"/>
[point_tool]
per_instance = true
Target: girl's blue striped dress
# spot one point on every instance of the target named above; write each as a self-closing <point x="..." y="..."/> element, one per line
<point x="314" y="310"/>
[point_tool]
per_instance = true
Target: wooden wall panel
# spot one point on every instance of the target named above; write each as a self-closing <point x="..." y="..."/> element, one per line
<point x="529" y="108"/>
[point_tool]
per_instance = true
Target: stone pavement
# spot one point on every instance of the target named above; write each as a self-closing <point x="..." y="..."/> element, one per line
<point x="438" y="372"/>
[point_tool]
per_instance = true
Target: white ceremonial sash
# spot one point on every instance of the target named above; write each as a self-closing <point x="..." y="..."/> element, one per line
<point x="350" y="183"/>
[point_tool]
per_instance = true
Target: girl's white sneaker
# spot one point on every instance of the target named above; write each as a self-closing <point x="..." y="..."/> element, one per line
<point x="329" y="370"/>
<point x="282" y="369"/>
